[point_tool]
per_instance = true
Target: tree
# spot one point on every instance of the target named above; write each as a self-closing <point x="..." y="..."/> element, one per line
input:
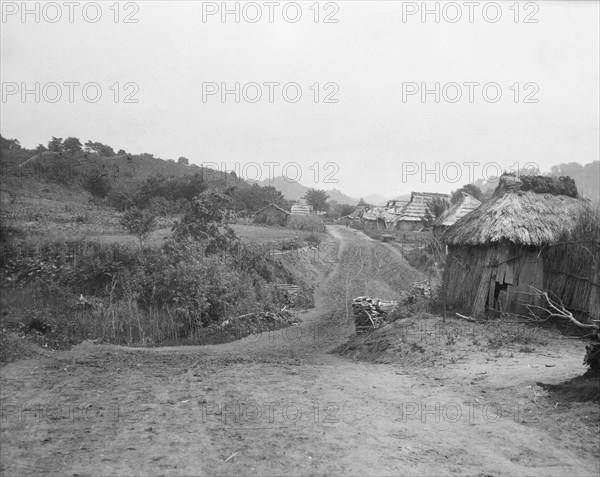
<point x="208" y="221"/>
<point x="56" y="145"/>
<point x="139" y="223"/>
<point x="41" y="148"/>
<point x="99" y="148"/>
<point x="183" y="161"/>
<point x="10" y="144"/>
<point x="436" y="207"/>
<point x="343" y="210"/>
<point x="97" y="183"/>
<point x="318" y="199"/>
<point x="72" y="145"/>
<point x="121" y="152"/>
<point x="470" y="189"/>
<point x="362" y="202"/>
<point x="256" y="197"/>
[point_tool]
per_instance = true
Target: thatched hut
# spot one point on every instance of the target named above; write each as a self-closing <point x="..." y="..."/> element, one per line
<point x="466" y="204"/>
<point x="272" y="215"/>
<point x="502" y="249"/>
<point x="417" y="212"/>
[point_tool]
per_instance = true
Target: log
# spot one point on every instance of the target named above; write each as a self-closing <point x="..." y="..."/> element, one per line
<point x="468" y="318"/>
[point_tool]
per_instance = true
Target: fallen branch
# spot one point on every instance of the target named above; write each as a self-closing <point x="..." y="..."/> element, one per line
<point x="468" y="318"/>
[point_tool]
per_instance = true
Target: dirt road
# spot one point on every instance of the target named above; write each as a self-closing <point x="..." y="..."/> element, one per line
<point x="271" y="404"/>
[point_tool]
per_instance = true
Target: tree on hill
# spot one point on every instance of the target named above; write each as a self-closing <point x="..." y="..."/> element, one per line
<point x="318" y="199"/>
<point x="41" y="148"/>
<point x="183" y="161"/>
<point x="99" y="148"/>
<point x="140" y="223"/>
<point x="97" y="183"/>
<point x="72" y="145"/>
<point x="208" y="222"/>
<point x="121" y="152"/>
<point x="56" y="145"/>
<point x="256" y="197"/>
<point x="470" y="189"/>
<point x="342" y="210"/>
<point x="10" y="144"/>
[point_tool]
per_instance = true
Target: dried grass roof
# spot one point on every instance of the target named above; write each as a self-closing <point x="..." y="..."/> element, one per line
<point x="417" y="209"/>
<point x="275" y="206"/>
<point x="522" y="217"/>
<point x="464" y="206"/>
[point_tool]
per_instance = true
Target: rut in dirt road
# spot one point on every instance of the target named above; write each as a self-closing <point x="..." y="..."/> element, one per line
<point x="270" y="404"/>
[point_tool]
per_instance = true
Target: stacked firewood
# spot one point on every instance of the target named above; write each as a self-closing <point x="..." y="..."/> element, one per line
<point x="369" y="313"/>
<point x="421" y="288"/>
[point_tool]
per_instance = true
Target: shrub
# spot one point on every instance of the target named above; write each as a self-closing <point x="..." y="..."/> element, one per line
<point x="313" y="239"/>
<point x="309" y="223"/>
<point x="140" y="223"/>
<point x="97" y="184"/>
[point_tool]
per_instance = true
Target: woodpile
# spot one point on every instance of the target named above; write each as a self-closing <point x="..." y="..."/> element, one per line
<point x="369" y="313"/>
<point x="258" y="322"/>
<point x="421" y="288"/>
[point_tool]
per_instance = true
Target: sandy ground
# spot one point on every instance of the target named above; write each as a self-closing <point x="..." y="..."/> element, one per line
<point x="282" y="403"/>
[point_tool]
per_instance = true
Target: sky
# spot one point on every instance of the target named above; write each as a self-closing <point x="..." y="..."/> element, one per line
<point x="517" y="86"/>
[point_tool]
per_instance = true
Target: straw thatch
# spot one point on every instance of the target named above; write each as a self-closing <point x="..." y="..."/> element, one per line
<point x="519" y="239"/>
<point x="417" y="210"/>
<point x="521" y="217"/>
<point x="464" y="206"/>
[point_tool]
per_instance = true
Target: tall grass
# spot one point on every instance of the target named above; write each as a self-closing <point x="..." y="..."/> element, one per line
<point x="310" y="223"/>
<point x="151" y="297"/>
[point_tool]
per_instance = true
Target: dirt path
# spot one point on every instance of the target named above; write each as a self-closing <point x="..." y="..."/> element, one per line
<point x="271" y="404"/>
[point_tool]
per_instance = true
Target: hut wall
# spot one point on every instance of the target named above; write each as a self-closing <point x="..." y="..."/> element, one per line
<point x="408" y="226"/>
<point x="572" y="273"/>
<point x="497" y="277"/>
<point x="463" y="274"/>
<point x="271" y="216"/>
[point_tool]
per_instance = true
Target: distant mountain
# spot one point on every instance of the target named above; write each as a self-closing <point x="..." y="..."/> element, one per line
<point x="295" y="191"/>
<point x="376" y="199"/>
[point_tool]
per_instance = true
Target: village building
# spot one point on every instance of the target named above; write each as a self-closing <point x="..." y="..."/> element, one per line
<point x="395" y="206"/>
<point x="513" y="242"/>
<point x="466" y="204"/>
<point x="298" y="209"/>
<point x="379" y="218"/>
<point x="417" y="213"/>
<point x="272" y="215"/>
<point x="355" y="216"/>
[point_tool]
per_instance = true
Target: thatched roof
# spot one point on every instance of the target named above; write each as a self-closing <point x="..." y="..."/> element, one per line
<point x="464" y="206"/>
<point x="272" y="206"/>
<point x="417" y="209"/>
<point x="522" y="217"/>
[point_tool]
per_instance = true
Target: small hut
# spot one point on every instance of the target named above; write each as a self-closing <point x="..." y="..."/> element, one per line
<point x="272" y="215"/>
<point x="466" y="204"/>
<point x="417" y="212"/>
<point x="496" y="252"/>
<point x="395" y="206"/>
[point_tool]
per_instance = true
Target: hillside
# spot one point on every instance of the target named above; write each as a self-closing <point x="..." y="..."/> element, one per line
<point x="70" y="169"/>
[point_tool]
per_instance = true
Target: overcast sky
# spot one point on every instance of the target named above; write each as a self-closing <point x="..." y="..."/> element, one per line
<point x="377" y="139"/>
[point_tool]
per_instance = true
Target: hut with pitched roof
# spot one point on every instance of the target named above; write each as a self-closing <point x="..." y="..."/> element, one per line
<point x="511" y="243"/>
<point x="466" y="204"/>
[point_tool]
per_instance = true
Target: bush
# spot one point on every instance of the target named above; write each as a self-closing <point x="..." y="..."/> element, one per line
<point x="313" y="240"/>
<point x="309" y="223"/>
<point x="140" y="223"/>
<point x="97" y="184"/>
